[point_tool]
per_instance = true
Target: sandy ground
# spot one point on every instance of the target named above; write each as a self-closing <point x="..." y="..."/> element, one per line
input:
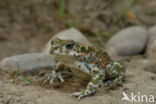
<point x="137" y="81"/>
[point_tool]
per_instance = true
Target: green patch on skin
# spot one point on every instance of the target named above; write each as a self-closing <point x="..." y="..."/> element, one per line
<point x="90" y="49"/>
<point x="123" y="70"/>
<point x="95" y="72"/>
<point x="83" y="49"/>
<point x="91" y="88"/>
<point x="96" y="81"/>
<point x="60" y="51"/>
<point x="118" y="69"/>
<point x="67" y="51"/>
<point x="55" y="48"/>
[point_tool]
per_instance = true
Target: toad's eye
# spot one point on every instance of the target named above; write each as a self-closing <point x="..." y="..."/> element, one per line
<point x="69" y="45"/>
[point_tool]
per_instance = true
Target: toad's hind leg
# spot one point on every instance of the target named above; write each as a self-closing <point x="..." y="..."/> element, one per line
<point x="115" y="71"/>
<point x="95" y="82"/>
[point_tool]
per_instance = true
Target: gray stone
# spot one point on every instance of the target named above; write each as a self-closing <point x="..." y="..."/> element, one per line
<point x="150" y="66"/>
<point x="129" y="41"/>
<point x="72" y="34"/>
<point x="151" y="44"/>
<point x="28" y="62"/>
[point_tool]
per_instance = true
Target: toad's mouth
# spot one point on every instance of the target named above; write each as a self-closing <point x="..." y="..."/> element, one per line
<point x="71" y="62"/>
<point x="66" y="59"/>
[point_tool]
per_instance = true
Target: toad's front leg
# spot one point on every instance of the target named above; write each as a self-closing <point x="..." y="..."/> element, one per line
<point x="57" y="73"/>
<point x="95" y="82"/>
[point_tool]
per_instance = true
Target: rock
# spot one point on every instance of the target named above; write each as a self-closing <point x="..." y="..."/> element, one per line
<point x="150" y="66"/>
<point x="151" y="44"/>
<point x="28" y="62"/>
<point x="72" y="34"/>
<point x="129" y="41"/>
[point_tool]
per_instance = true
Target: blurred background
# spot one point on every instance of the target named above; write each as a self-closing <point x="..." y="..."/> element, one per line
<point x="27" y="25"/>
<point x="121" y="27"/>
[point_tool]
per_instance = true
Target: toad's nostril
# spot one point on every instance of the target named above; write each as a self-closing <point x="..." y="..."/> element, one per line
<point x="52" y="42"/>
<point x="56" y="47"/>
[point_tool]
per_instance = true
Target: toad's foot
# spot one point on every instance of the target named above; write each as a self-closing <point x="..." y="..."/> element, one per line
<point x="114" y="82"/>
<point x="56" y="73"/>
<point x="79" y="95"/>
<point x="95" y="82"/>
<point x="54" y="76"/>
<point x="82" y="94"/>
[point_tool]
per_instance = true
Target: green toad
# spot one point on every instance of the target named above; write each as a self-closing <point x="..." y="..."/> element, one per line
<point x="87" y="62"/>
